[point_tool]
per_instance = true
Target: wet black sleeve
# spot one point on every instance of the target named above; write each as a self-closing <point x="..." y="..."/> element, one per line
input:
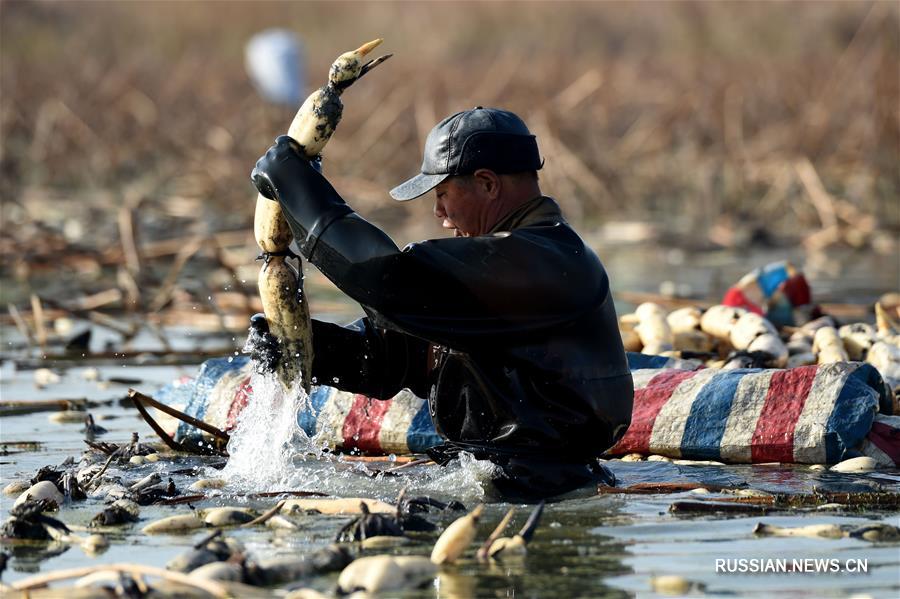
<point x="462" y="292"/>
<point x="362" y="358"/>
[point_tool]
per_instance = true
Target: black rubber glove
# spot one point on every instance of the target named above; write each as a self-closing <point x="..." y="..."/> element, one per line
<point x="309" y="201"/>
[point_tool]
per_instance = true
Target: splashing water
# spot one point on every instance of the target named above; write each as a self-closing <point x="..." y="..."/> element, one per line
<point x="267" y="437"/>
<point x="270" y="452"/>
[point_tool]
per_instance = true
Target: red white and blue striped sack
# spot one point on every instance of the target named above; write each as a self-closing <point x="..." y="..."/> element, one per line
<point x="811" y="414"/>
<point x="339" y="419"/>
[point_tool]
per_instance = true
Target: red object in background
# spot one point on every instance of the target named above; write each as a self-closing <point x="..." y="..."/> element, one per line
<point x="735" y="297"/>
<point x="797" y="290"/>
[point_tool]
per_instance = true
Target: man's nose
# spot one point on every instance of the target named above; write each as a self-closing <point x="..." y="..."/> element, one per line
<point x="439" y="209"/>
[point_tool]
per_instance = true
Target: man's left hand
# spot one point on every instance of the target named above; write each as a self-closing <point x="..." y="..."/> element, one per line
<point x="281" y="162"/>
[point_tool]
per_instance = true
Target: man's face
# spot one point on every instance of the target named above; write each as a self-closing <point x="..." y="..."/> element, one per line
<point x="462" y="206"/>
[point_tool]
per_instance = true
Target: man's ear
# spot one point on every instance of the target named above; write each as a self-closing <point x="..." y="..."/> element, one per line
<point x="488" y="182"/>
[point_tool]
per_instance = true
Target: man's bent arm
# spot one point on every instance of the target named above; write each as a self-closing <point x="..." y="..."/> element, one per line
<point x="362" y="358"/>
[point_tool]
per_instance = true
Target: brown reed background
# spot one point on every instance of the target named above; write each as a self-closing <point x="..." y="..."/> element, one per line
<point x="125" y="123"/>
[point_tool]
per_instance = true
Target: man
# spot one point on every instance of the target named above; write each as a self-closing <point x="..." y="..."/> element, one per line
<point x="508" y="328"/>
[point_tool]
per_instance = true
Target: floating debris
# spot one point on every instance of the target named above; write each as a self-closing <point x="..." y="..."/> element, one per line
<point x="395" y="524"/>
<point x="95" y="544"/>
<point x="632" y="457"/>
<point x="67" y="417"/>
<point x="16" y="487"/>
<point x="212" y="548"/>
<point x="207" y="483"/>
<point x="40" y="491"/>
<point x="92" y="429"/>
<point x="228" y="516"/>
<point x="674" y="585"/>
<point x="44" y="377"/>
<point x="383" y="542"/>
<point x="71" y="489"/>
<point x="122" y="511"/>
<point x="282" y="523"/>
<point x="658" y="458"/>
<point x="220" y="571"/>
<point x="156" y="494"/>
<point x="148" y="481"/>
<point x="456" y="538"/>
<point x="280" y="570"/>
<point x="179" y="524"/>
<point x="337" y="506"/>
<point x="876" y="533"/>
<point x="860" y="464"/>
<point x="28" y="521"/>
<point x="368" y="525"/>
<point x="828" y="531"/>
<point x="384" y="573"/>
<point x="505" y="547"/>
<point x="91" y="374"/>
<point x="130" y="570"/>
<point x="682" y="507"/>
<point x="697" y="463"/>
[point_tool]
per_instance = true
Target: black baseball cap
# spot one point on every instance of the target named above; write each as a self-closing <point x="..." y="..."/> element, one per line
<point x="467" y="141"/>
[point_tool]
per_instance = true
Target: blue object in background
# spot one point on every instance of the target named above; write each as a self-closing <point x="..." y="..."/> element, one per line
<point x="275" y="62"/>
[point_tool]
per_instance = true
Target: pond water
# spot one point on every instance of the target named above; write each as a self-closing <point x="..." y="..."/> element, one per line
<point x="587" y="545"/>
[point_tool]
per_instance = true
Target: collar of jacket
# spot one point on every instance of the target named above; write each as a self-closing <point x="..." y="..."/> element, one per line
<point x="542" y="210"/>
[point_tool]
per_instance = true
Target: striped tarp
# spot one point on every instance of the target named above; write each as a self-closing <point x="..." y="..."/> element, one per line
<point x="338" y="419"/>
<point x="811" y="414"/>
<point x="883" y="441"/>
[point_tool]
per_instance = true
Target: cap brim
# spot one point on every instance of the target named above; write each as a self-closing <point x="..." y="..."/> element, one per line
<point x="417" y="186"/>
